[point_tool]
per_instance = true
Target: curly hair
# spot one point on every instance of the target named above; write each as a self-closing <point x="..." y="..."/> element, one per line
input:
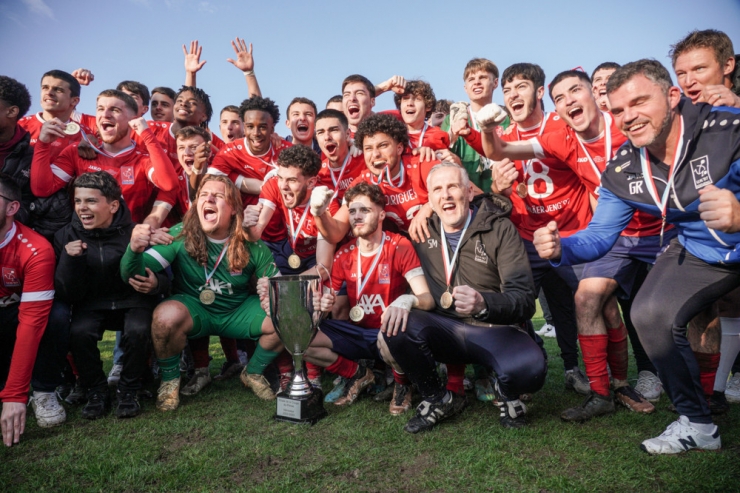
<point x="196" y="242"/>
<point x="371" y="191"/>
<point x="380" y="123"/>
<point x="418" y="88"/>
<point x="13" y="93"/>
<point x="257" y="103"/>
<point x="202" y="97"/>
<point x="301" y="157"/>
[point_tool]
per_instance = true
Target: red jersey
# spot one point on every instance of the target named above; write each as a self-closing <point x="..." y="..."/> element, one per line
<point x="432" y="137"/>
<point x="87" y="120"/>
<point x="339" y="179"/>
<point x="588" y="159"/>
<point x="299" y="220"/>
<point x="139" y="172"/>
<point x="32" y="124"/>
<point x="397" y="264"/>
<point x="27" y="267"/>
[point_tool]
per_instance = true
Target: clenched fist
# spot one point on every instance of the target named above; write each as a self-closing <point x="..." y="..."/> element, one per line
<point x="490" y="116"/>
<point x="547" y="241"/>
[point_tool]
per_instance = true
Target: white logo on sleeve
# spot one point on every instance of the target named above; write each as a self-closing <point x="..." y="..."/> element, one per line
<point x="700" y="172"/>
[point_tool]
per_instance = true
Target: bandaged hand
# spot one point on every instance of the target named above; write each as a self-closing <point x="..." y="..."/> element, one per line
<point x="490" y="116"/>
<point x="320" y="199"/>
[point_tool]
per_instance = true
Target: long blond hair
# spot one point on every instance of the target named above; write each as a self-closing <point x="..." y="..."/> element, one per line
<point x="196" y="243"/>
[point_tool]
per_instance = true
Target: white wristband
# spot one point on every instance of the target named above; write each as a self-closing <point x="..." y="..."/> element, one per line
<point x="198" y="171"/>
<point x="406" y="301"/>
<point x="248" y="72"/>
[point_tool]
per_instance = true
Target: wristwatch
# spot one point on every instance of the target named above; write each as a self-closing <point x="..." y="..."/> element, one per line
<point x="481" y="315"/>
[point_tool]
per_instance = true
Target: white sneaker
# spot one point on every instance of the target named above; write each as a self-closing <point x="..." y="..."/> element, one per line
<point x="679" y="437"/>
<point x="547" y="330"/>
<point x="732" y="392"/>
<point x="649" y="385"/>
<point x="115" y="375"/>
<point x="48" y="411"/>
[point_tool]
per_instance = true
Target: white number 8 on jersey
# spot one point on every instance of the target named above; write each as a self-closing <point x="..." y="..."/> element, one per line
<point x="533" y="176"/>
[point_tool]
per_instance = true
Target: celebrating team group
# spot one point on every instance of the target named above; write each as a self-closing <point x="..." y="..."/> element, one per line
<point x="433" y="227"/>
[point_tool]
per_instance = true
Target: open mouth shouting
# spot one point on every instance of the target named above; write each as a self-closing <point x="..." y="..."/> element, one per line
<point x="576" y="115"/>
<point x="87" y="219"/>
<point x="517" y="106"/>
<point x="353" y="111"/>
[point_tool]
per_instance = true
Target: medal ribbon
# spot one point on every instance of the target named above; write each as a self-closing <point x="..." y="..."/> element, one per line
<point x="421" y="137"/>
<point x="295" y="231"/>
<point x="360" y="283"/>
<point x="450" y="265"/>
<point x="218" y="261"/>
<point x="341" y="173"/>
<point x="387" y="173"/>
<point x="647" y="173"/>
<point x="607" y="145"/>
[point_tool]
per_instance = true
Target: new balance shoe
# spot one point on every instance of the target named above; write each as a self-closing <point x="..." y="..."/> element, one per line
<point x="401" y="400"/>
<point x="337" y="391"/>
<point x="229" y="369"/>
<point x="547" y="330"/>
<point x="114" y="375"/>
<point x="98" y="405"/>
<point x="649" y="386"/>
<point x="633" y="400"/>
<point x="49" y="412"/>
<point x="511" y="413"/>
<point x="679" y="437"/>
<point x="128" y="404"/>
<point x="168" y="395"/>
<point x="201" y="379"/>
<point x="430" y="413"/>
<point x="362" y="378"/>
<point x="594" y="405"/>
<point x="576" y="380"/>
<point x="259" y="385"/>
<point x="732" y="392"/>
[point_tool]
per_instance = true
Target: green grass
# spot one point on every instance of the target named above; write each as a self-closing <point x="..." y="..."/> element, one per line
<point x="224" y="439"/>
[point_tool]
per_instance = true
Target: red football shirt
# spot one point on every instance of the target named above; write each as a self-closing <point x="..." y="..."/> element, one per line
<point x="432" y="137"/>
<point x="340" y="178"/>
<point x="32" y="124"/>
<point x="397" y="264"/>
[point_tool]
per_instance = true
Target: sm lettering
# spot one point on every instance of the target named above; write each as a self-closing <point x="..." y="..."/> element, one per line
<point x="635" y="187"/>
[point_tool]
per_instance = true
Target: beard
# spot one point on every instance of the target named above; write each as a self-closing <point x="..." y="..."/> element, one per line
<point x="365" y="229"/>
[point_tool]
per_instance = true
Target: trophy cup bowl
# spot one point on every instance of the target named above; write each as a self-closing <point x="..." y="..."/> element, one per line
<point x="296" y="323"/>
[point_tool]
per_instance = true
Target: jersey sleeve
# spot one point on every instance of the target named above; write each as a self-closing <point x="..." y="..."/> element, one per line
<point x="475" y="141"/>
<point x="553" y="145"/>
<point x="337" y="272"/>
<point x="406" y="260"/>
<point x="221" y="166"/>
<point x="160" y="170"/>
<point x="270" y="194"/>
<point x="48" y="177"/>
<point x="156" y="258"/>
<point x="262" y="259"/>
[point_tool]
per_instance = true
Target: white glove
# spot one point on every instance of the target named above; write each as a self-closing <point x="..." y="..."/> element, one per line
<point x="320" y="199"/>
<point x="490" y="116"/>
<point x="458" y="111"/>
<point x="406" y="302"/>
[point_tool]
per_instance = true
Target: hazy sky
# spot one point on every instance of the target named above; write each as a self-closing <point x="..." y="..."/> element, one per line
<point x="307" y="48"/>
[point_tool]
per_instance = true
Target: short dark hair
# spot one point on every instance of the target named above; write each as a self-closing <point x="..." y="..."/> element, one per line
<point x="231" y="109"/>
<point x="13" y="93"/>
<point x="136" y="88"/>
<point x="301" y="100"/>
<point x="605" y="66"/>
<point x="258" y="103"/>
<point x="100" y="180"/>
<point x="650" y="68"/>
<point x="361" y="79"/>
<point x="9" y="188"/>
<point x="164" y="90"/>
<point x="191" y="131"/>
<point x="334" y="99"/>
<point x="127" y="100"/>
<point x="527" y="71"/>
<point x="382" y="123"/>
<point x="418" y="88"/>
<point x="334" y="114"/>
<point x="369" y="190"/>
<point x="477" y="64"/>
<point x="302" y="157"/>
<point x="717" y="41"/>
<point x="74" y="84"/>
<point x="566" y="74"/>
<point x="443" y="106"/>
<point x="201" y="96"/>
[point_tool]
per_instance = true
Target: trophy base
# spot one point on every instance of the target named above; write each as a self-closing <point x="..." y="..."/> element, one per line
<point x="305" y="410"/>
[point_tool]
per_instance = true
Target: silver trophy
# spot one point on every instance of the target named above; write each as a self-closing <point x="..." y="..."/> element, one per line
<point x="296" y="322"/>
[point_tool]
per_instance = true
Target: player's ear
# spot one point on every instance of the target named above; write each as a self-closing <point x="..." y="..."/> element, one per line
<point x="540" y="93"/>
<point x="674" y="96"/>
<point x="114" y="205"/>
<point x="381" y="216"/>
<point x="312" y="181"/>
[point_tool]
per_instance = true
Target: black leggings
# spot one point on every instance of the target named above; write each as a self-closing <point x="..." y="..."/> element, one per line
<point x="512" y="354"/>
<point x="677" y="288"/>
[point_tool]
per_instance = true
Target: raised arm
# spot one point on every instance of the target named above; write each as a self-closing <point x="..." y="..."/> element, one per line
<point x="192" y="62"/>
<point x="488" y="118"/>
<point x="245" y="62"/>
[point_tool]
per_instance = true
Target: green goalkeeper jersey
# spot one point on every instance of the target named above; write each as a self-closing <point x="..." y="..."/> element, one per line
<point x="189" y="278"/>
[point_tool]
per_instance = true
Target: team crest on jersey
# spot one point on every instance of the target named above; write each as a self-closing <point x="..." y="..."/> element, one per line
<point x="480" y="252"/>
<point x="127" y="175"/>
<point x="10" y="278"/>
<point x="700" y="172"/>
<point x="384" y="274"/>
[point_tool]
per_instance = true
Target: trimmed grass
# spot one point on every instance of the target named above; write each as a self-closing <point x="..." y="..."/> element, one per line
<point x="224" y="439"/>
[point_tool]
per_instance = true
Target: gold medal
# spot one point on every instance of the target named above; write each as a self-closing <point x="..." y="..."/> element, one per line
<point x="445" y="301"/>
<point x="207" y="296"/>
<point x="294" y="261"/>
<point x="71" y="128"/>
<point x="521" y="190"/>
<point x="356" y="313"/>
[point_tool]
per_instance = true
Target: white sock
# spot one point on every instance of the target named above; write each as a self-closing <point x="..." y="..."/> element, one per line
<point x="706" y="428"/>
<point x="730" y="348"/>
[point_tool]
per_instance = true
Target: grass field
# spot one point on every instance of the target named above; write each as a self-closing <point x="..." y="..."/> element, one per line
<point x="225" y="440"/>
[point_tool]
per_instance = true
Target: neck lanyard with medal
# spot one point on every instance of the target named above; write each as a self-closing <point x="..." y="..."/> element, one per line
<point x="445" y="301"/>
<point x="647" y="174"/>
<point x="607" y="147"/>
<point x="294" y="261"/>
<point x="387" y="173"/>
<point x="357" y="312"/>
<point x="521" y="189"/>
<point x="207" y="295"/>
<point x="337" y="181"/>
<point x="421" y="137"/>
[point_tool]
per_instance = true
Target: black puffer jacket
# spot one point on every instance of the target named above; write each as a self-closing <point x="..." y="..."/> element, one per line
<point x="92" y="281"/>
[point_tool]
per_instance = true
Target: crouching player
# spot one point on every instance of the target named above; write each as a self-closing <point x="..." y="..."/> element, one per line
<point x="212" y="262"/>
<point x="378" y="268"/>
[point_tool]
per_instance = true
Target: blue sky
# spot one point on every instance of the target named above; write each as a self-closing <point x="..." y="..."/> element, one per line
<point x="307" y="48"/>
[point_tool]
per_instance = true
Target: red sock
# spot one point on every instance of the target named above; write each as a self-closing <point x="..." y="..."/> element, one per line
<point x="616" y="351"/>
<point x="71" y="360"/>
<point x="708" y="364"/>
<point x="594" y="350"/>
<point x="343" y="367"/>
<point x="455" y="377"/>
<point x="314" y="371"/>
<point x="400" y="378"/>
<point x="199" y="348"/>
<point x="284" y="362"/>
<point x="228" y="345"/>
